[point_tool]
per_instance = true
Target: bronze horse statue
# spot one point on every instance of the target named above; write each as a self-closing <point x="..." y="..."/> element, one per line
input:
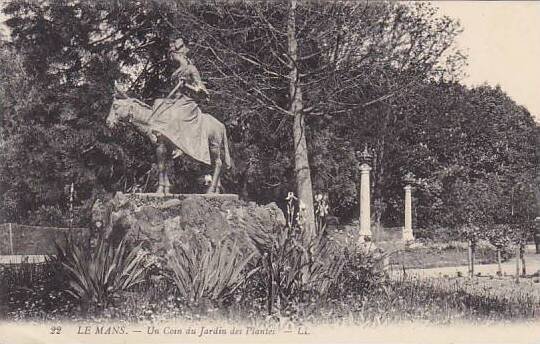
<point x="198" y="135"/>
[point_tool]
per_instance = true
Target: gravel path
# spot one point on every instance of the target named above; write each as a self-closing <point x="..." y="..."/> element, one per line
<point x="532" y="262"/>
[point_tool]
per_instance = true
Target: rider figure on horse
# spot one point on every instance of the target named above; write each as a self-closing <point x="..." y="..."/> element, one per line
<point x="187" y="77"/>
<point x="188" y="89"/>
<point x="178" y="115"/>
<point x="178" y="124"/>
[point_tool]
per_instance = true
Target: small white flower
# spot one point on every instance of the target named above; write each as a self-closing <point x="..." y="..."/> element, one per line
<point x="290" y="196"/>
<point x="325" y="208"/>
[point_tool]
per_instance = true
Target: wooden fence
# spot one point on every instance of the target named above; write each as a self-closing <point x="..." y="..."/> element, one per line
<point x="22" y="240"/>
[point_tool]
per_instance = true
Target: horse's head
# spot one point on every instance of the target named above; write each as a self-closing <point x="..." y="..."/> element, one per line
<point x="120" y="109"/>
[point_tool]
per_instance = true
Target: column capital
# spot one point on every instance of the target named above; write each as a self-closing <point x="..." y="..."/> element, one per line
<point x="364" y="168"/>
<point x="407" y="188"/>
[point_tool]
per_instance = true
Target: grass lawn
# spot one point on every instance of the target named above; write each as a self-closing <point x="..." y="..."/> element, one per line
<point x="527" y="290"/>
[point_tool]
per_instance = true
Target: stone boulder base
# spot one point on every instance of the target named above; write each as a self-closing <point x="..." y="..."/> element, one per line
<point x="161" y="221"/>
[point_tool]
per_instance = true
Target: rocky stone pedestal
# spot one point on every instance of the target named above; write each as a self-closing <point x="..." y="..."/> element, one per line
<point x="160" y="221"/>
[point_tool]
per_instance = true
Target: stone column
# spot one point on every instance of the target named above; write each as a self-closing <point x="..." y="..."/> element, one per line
<point x="365" y="203"/>
<point x="407" y="229"/>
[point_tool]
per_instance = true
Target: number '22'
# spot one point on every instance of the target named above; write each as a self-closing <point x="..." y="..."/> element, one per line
<point x="56" y="329"/>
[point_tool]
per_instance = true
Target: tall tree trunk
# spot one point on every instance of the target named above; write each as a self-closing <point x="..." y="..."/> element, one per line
<point x="499" y="267"/>
<point x="473" y="253"/>
<point x="469" y="257"/>
<point x="537" y="231"/>
<point x="302" y="169"/>
<point x="517" y="263"/>
<point x="522" y="258"/>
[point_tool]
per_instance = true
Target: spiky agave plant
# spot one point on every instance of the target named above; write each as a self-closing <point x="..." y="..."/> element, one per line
<point x="202" y="270"/>
<point x="97" y="276"/>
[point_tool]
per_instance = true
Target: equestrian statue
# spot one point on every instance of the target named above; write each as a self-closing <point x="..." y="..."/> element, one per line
<point x="176" y="123"/>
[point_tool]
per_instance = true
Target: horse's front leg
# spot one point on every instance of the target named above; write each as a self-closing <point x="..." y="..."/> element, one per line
<point x="216" y="182"/>
<point x="161" y="155"/>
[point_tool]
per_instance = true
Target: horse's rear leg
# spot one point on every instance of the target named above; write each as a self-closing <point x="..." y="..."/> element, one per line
<point x="219" y="188"/>
<point x="216" y="182"/>
<point x="166" y="183"/>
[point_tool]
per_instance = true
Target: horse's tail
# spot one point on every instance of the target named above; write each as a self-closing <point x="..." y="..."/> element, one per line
<point x="227" y="158"/>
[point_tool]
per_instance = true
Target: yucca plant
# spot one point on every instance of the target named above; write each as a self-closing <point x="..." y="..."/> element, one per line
<point x="297" y="267"/>
<point x="297" y="263"/>
<point x="97" y="275"/>
<point x="205" y="270"/>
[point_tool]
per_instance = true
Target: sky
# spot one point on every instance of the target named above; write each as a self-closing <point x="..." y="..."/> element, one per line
<point x="502" y="41"/>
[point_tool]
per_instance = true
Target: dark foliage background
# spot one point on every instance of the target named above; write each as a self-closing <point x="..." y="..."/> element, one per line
<point x="381" y="74"/>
